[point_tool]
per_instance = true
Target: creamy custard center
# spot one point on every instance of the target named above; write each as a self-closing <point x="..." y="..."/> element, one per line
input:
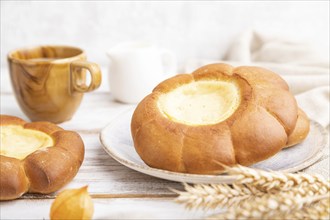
<point x="18" y="142"/>
<point x="201" y="102"/>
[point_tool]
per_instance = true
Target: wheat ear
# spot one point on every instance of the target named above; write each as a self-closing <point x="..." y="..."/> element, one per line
<point x="319" y="210"/>
<point x="272" y="181"/>
<point x="271" y="206"/>
<point x="249" y="184"/>
<point x="211" y="196"/>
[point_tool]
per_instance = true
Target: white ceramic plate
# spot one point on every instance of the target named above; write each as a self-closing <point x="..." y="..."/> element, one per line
<point x="117" y="142"/>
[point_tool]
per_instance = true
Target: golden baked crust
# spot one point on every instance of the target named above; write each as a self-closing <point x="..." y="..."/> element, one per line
<point x="300" y="131"/>
<point x="45" y="170"/>
<point x="261" y="126"/>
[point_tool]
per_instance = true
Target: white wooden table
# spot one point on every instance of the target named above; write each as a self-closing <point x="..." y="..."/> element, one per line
<point x="117" y="191"/>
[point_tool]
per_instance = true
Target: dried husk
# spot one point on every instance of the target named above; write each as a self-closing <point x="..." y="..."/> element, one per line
<point x="72" y="204"/>
<point x="255" y="192"/>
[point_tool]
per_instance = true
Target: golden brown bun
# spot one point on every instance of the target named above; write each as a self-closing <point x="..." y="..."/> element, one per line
<point x="45" y="170"/>
<point x="263" y="124"/>
<point x="301" y="129"/>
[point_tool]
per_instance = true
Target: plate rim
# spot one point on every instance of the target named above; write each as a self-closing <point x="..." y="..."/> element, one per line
<point x="176" y="176"/>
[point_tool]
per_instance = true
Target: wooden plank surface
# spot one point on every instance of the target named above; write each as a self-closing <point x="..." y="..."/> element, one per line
<point x="105" y="176"/>
<point x="118" y="192"/>
<point x="95" y="112"/>
<point x="120" y="208"/>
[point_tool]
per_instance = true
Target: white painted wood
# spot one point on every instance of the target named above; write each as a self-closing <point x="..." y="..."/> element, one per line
<point x="107" y="178"/>
<point x="105" y="209"/>
<point x="118" y="191"/>
<point x="95" y="112"/>
<point x="104" y="175"/>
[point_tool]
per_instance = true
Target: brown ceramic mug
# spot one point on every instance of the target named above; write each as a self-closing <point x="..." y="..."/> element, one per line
<point x="49" y="81"/>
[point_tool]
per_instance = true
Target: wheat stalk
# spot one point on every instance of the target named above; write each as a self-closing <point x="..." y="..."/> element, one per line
<point x="222" y="195"/>
<point x="272" y="181"/>
<point x="274" y="195"/>
<point x="314" y="189"/>
<point x="249" y="184"/>
<point x="320" y="210"/>
<point x="211" y="196"/>
<point x="271" y="206"/>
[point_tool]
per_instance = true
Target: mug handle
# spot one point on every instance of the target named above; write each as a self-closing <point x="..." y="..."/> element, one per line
<point x="78" y="83"/>
<point x="169" y="62"/>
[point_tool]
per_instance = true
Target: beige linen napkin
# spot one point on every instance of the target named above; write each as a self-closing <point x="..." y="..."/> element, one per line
<point x="304" y="67"/>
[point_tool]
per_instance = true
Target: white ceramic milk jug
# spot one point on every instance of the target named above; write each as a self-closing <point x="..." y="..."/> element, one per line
<point x="136" y="68"/>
